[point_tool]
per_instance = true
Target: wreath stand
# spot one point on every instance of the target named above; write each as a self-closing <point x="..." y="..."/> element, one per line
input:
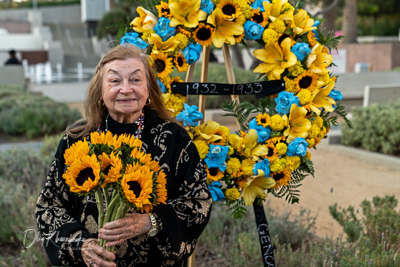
<point x="261" y="221"/>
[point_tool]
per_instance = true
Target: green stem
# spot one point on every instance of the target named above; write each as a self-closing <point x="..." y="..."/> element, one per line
<point x="106" y="195"/>
<point x="100" y="208"/>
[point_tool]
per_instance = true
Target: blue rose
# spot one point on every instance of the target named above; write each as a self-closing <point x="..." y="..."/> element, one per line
<point x="259" y="4"/>
<point x="190" y="115"/>
<point x="207" y="6"/>
<point x="301" y="50"/>
<point x="133" y="38"/>
<point x="216" y="192"/>
<point x="263" y="132"/>
<point x="298" y="147"/>
<point x="336" y="95"/>
<point x="216" y="157"/>
<point x="284" y="102"/>
<point x="263" y="165"/>
<point x="252" y="30"/>
<point x="162" y="86"/>
<point x="192" y="53"/>
<point x="316" y="23"/>
<point x="163" y="29"/>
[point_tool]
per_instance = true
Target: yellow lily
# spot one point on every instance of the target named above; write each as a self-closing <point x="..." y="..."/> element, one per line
<point x="186" y="13"/>
<point x="224" y="29"/>
<point x="256" y="186"/>
<point x="145" y="21"/>
<point x="276" y="58"/>
<point x="207" y="131"/>
<point x="322" y="99"/>
<point x="168" y="46"/>
<point x="317" y="61"/>
<point x="298" y="125"/>
<point x="253" y="149"/>
<point x="302" y="23"/>
<point x="274" y="10"/>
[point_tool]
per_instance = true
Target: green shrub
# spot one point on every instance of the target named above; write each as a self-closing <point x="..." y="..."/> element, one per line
<point x="375" y="128"/>
<point x="32" y="115"/>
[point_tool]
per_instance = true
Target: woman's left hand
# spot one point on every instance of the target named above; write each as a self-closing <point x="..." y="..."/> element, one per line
<point x="132" y="225"/>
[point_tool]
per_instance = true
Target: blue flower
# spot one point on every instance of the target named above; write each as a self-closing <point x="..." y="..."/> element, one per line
<point x="162" y="86"/>
<point x="316" y="23"/>
<point x="133" y="38"/>
<point x="284" y="102"/>
<point x="163" y="29"/>
<point x="252" y="30"/>
<point x="259" y="4"/>
<point x="263" y="165"/>
<point x="216" y="157"/>
<point x="301" y="50"/>
<point x="263" y="132"/>
<point x="298" y="147"/>
<point x="190" y="115"/>
<point x="192" y="53"/>
<point x="207" y="6"/>
<point x="336" y="95"/>
<point x="216" y="192"/>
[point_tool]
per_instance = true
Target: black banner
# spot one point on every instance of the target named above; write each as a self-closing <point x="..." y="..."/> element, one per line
<point x="260" y="89"/>
<point x="264" y="237"/>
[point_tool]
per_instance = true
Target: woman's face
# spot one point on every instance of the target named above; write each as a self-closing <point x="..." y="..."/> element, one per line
<point x="125" y="89"/>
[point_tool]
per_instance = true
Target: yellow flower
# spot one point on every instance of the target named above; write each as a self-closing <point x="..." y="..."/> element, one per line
<point x="277" y="26"/>
<point x="247" y="167"/>
<point x="312" y="40"/>
<point x="128" y="139"/>
<point x="186" y="13"/>
<point x="163" y="65"/>
<point x="182" y="39"/>
<point x="202" y="148"/>
<point x="296" y="70"/>
<point x="277" y="123"/>
<point x="233" y="166"/>
<point x="253" y="149"/>
<point x="292" y="163"/>
<point x="302" y="23"/>
<point x="276" y="58"/>
<point x="281" y="178"/>
<point x="161" y="190"/>
<point x="176" y="79"/>
<point x="146" y="35"/>
<point x="232" y="194"/>
<point x="308" y="155"/>
<point x="208" y="130"/>
<point x="163" y="10"/>
<point x="180" y="62"/>
<point x="256" y="187"/>
<point x="214" y="174"/>
<point x="278" y="9"/>
<point x="83" y="175"/>
<point x="104" y="138"/>
<point x="137" y="185"/>
<point x="272" y="152"/>
<point x="111" y="167"/>
<point x="263" y="119"/>
<point x="304" y="97"/>
<point x="203" y="34"/>
<point x="225" y="30"/>
<point x="174" y="103"/>
<point x="158" y="45"/>
<point x="145" y="21"/>
<point x="310" y="142"/>
<point x="322" y="99"/>
<point x="182" y="30"/>
<point x="269" y="36"/>
<point x="258" y="17"/>
<point x="282" y="148"/>
<point x="298" y="125"/>
<point x="290" y="85"/>
<point x="317" y="61"/>
<point x="314" y="130"/>
<point x="77" y="150"/>
<point x="231" y="10"/>
<point x="277" y="165"/>
<point x="238" y="38"/>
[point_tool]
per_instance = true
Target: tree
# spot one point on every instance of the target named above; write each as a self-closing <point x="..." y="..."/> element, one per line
<point x="349" y="25"/>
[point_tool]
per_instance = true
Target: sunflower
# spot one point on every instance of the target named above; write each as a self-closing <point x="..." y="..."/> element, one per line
<point x="281" y="178"/>
<point x="259" y="17"/>
<point x="163" y="10"/>
<point x="163" y="65"/>
<point x="231" y="10"/>
<point x="203" y="34"/>
<point x="176" y="79"/>
<point x="238" y="38"/>
<point x="272" y="152"/>
<point x="161" y="190"/>
<point x="137" y="185"/>
<point x="83" y="175"/>
<point x="182" y="30"/>
<point x="111" y="167"/>
<point x="214" y="174"/>
<point x="76" y="151"/>
<point x="180" y="62"/>
<point x="145" y="159"/>
<point x="307" y="80"/>
<point x="221" y="132"/>
<point x="103" y="138"/>
<point x="263" y="119"/>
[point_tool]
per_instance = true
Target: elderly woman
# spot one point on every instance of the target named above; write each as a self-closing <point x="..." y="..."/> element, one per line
<point x="124" y="98"/>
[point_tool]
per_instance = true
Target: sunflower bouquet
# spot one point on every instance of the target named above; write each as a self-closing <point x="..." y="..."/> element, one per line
<point x="270" y="153"/>
<point x="116" y="170"/>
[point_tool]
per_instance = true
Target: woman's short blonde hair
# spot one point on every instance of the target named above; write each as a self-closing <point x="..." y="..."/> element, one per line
<point x="95" y="109"/>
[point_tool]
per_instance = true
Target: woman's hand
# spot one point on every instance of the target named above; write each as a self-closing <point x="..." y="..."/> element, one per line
<point x="93" y="254"/>
<point x="132" y="225"/>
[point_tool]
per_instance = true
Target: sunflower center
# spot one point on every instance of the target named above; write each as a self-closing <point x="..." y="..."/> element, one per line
<point x="213" y="171"/>
<point x="258" y="18"/>
<point x="305" y="82"/>
<point x="160" y="65"/>
<point x="263" y="121"/>
<point x="270" y="152"/>
<point x="203" y="34"/>
<point x="283" y="36"/>
<point x="278" y="176"/>
<point x="84" y="175"/>
<point x="229" y="10"/>
<point x="180" y="61"/>
<point x="166" y="10"/>
<point x="107" y="169"/>
<point x="135" y="187"/>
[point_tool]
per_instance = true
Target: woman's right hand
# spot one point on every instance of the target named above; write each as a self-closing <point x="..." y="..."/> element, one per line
<point x="95" y="255"/>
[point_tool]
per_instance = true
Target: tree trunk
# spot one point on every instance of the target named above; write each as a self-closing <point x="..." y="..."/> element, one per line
<point x="349" y="26"/>
<point x="329" y="16"/>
